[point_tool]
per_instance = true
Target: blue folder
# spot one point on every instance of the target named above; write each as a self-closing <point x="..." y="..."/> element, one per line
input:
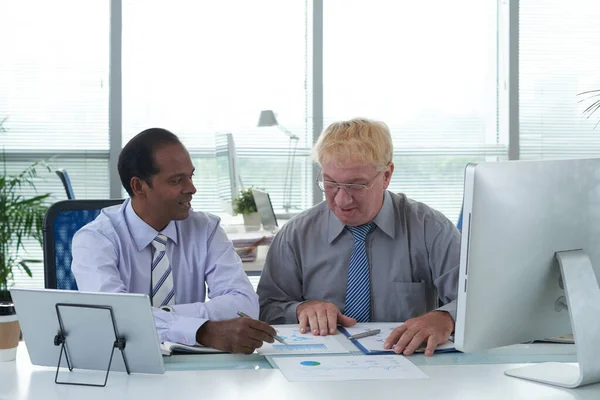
<point x="366" y="351"/>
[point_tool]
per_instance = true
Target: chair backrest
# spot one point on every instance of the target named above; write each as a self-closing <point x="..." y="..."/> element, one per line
<point x="66" y="181"/>
<point x="63" y="219"/>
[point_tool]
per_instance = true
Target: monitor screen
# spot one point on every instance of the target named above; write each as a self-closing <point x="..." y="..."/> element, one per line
<point x="517" y="216"/>
<point x="265" y="209"/>
<point x="229" y="182"/>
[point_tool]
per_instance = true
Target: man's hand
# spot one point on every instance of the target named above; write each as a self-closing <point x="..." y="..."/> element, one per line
<point x="238" y="335"/>
<point x="434" y="328"/>
<point x="322" y="317"/>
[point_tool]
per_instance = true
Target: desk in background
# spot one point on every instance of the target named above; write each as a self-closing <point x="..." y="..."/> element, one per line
<point x="254" y="268"/>
<point x="237" y="234"/>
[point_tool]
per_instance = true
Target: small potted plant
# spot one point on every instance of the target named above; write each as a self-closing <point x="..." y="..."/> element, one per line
<point x="245" y="205"/>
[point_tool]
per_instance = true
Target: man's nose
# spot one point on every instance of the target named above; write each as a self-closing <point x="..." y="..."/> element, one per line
<point x="190" y="188"/>
<point x="342" y="197"/>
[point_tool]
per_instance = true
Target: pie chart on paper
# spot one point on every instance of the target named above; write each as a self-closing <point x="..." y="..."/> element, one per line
<point x="310" y="363"/>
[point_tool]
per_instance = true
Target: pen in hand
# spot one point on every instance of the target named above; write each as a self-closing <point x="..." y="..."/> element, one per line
<point x="276" y="337"/>
<point x="365" y="334"/>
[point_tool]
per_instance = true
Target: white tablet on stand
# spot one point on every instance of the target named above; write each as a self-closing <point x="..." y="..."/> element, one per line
<point x="93" y="331"/>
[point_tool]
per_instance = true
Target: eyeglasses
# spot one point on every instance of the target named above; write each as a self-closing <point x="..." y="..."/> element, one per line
<point x="353" y="189"/>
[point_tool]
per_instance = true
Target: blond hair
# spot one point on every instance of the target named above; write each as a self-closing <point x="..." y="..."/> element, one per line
<point x="358" y="141"/>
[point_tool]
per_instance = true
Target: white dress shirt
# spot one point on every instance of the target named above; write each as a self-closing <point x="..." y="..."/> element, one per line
<point x="113" y="253"/>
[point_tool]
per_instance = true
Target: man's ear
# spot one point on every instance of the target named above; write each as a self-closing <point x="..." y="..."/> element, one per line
<point x="387" y="175"/>
<point x="138" y="186"/>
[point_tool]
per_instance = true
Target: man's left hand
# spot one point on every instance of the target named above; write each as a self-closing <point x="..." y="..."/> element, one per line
<point x="433" y="328"/>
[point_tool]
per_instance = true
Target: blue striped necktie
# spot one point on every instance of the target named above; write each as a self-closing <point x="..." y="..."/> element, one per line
<point x="163" y="291"/>
<point x="358" y="291"/>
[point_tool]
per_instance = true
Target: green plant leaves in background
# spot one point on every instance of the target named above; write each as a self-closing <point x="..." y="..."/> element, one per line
<point x="244" y="204"/>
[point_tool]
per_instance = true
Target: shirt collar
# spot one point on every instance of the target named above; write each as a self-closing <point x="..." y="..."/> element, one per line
<point x="386" y="217"/>
<point x="384" y="220"/>
<point x="142" y="233"/>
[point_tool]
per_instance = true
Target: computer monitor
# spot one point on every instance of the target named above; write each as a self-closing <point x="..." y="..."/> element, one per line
<point x="265" y="209"/>
<point x="532" y="228"/>
<point x="229" y="182"/>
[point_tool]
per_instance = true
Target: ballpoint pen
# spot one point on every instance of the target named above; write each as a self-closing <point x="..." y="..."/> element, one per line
<point x="276" y="337"/>
<point x="365" y="334"/>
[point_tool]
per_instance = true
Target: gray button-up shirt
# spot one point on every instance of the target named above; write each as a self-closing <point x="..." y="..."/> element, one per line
<point x="413" y="259"/>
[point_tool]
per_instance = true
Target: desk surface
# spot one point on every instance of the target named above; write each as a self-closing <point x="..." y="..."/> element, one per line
<point x="255" y="267"/>
<point x="451" y="380"/>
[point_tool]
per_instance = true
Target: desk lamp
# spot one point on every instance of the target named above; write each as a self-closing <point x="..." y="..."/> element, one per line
<point x="267" y="118"/>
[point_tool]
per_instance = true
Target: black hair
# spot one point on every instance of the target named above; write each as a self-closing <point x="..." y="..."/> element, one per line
<point x="137" y="157"/>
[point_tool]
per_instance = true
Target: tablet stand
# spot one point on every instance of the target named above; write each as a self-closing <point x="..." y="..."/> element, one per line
<point x="61" y="340"/>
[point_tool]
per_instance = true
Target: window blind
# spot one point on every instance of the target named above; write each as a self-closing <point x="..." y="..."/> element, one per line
<point x="558" y="58"/>
<point x="54" y="96"/>
<point x="198" y="68"/>
<point x="428" y="69"/>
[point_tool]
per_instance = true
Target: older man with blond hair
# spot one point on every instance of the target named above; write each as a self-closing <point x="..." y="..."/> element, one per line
<point x="365" y="254"/>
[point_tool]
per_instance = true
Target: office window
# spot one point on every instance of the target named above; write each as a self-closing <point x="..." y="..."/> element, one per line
<point x="558" y="58"/>
<point x="198" y="68"/>
<point x="428" y="69"/>
<point x="54" y="96"/>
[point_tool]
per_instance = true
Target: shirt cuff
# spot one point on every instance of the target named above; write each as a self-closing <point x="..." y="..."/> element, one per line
<point x="177" y="328"/>
<point x="184" y="329"/>
<point x="290" y="312"/>
<point x="450" y="308"/>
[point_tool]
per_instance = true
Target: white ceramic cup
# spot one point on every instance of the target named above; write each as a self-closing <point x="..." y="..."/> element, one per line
<point x="9" y="332"/>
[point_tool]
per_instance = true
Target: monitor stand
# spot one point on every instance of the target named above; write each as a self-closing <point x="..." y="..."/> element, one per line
<point x="583" y="301"/>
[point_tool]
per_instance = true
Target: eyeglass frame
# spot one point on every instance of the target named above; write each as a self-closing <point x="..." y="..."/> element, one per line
<point x="361" y="188"/>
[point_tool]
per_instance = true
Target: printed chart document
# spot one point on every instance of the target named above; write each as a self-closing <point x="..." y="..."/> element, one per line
<point x="302" y="343"/>
<point x="374" y="344"/>
<point x="347" y="368"/>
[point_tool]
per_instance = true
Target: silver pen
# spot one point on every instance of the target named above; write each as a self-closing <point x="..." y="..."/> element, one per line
<point x="276" y="337"/>
<point x="365" y="334"/>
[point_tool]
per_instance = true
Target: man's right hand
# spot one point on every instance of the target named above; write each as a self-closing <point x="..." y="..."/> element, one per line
<point x="238" y="335"/>
<point x="322" y="317"/>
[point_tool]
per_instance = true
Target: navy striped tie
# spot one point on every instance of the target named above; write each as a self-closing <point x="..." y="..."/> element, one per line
<point x="358" y="291"/>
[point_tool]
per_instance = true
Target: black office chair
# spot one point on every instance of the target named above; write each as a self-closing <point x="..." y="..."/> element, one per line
<point x="63" y="219"/>
<point x="66" y="181"/>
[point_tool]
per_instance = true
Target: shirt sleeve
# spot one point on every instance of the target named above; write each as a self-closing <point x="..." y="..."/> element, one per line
<point x="174" y="327"/>
<point x="280" y="286"/>
<point x="229" y="289"/>
<point x="443" y="245"/>
<point x="95" y="262"/>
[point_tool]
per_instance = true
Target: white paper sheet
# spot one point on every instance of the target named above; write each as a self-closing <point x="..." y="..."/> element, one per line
<point x="347" y="368"/>
<point x="303" y="343"/>
<point x="375" y="343"/>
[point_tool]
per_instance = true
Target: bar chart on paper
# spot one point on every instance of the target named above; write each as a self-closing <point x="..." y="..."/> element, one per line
<point x="302" y="343"/>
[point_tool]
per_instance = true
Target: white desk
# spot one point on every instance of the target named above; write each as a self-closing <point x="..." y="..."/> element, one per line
<point x="255" y="267"/>
<point x="21" y="380"/>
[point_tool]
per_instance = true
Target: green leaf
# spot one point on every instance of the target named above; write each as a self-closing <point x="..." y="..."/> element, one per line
<point x="25" y="268"/>
<point x="21" y="216"/>
<point x="244" y="204"/>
